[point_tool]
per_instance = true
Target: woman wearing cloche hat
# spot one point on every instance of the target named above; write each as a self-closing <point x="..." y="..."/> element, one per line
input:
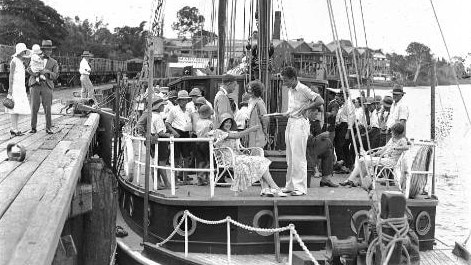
<point x="17" y="98"/>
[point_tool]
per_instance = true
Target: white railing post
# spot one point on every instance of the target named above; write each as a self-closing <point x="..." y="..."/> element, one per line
<point x="290" y="255"/>
<point x="172" y="165"/>
<point x="139" y="165"/>
<point x="156" y="163"/>
<point x="211" y="168"/>
<point x="186" y="234"/>
<point x="228" y="225"/>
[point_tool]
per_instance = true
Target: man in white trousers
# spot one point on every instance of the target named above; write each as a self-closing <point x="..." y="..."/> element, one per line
<point x="300" y="99"/>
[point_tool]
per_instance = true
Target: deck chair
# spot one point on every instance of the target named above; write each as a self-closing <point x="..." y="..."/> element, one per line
<point x="225" y="161"/>
<point x="388" y="174"/>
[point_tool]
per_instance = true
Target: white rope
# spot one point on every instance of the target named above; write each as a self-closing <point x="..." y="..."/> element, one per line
<point x="243" y="226"/>
<point x="301" y="243"/>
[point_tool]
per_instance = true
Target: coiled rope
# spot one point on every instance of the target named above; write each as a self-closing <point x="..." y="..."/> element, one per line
<point x="267" y="231"/>
<point x="387" y="242"/>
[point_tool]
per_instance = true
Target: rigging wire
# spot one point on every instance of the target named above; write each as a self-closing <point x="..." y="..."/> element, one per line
<point x="449" y="58"/>
<point x="356" y="70"/>
<point x="367" y="66"/>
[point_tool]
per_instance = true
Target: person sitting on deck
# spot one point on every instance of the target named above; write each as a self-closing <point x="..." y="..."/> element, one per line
<point x="247" y="169"/>
<point x="388" y="155"/>
<point x="158" y="129"/>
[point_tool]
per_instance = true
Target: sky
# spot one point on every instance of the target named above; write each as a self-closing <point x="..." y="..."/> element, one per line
<point x="390" y="24"/>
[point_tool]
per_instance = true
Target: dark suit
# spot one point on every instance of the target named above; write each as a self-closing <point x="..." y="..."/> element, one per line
<point x="42" y="92"/>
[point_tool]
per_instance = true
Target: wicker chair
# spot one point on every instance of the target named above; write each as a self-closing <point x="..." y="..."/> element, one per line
<point x="387" y="174"/>
<point x="225" y="161"/>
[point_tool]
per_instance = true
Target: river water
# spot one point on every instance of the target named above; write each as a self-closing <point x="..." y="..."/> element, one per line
<point x="453" y="153"/>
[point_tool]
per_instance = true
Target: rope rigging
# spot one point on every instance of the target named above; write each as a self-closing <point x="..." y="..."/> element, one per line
<point x="449" y="58"/>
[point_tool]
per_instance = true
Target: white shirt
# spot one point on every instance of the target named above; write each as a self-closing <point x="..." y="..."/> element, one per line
<point x="347" y="113"/>
<point x="298" y="97"/>
<point x="158" y="124"/>
<point x="361" y="117"/>
<point x="179" y="120"/>
<point x="84" y="67"/>
<point x="241" y="117"/>
<point x="399" y="111"/>
<point x="374" y="119"/>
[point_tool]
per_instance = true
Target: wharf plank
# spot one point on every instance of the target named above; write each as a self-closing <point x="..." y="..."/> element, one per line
<point x="39" y="240"/>
<point x="15" y="181"/>
<point x="14" y="222"/>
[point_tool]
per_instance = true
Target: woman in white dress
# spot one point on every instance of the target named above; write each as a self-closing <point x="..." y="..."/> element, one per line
<point x="17" y="88"/>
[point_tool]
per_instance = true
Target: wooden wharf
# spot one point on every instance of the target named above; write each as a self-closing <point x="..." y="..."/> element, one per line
<point x="36" y="195"/>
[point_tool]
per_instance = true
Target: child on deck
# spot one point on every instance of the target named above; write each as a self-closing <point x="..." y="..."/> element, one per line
<point x="37" y="63"/>
<point x="202" y="123"/>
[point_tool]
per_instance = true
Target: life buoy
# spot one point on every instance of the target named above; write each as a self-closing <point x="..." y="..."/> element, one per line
<point x="129" y="159"/>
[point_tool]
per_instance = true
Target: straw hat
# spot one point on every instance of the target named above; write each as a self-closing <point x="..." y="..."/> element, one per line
<point x="172" y="94"/>
<point x="378" y="99"/>
<point x="226" y="116"/>
<point x="183" y="94"/>
<point x="387" y="101"/>
<point x="47" y="44"/>
<point x="87" y="54"/>
<point x="195" y="92"/>
<point x="205" y="112"/>
<point x="369" y="101"/>
<point x="157" y="102"/>
<point x="201" y="101"/>
<point x="21" y="47"/>
<point x="398" y="90"/>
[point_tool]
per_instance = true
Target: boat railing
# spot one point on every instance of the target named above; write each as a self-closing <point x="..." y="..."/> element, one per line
<point x="155" y="165"/>
<point x="228" y="221"/>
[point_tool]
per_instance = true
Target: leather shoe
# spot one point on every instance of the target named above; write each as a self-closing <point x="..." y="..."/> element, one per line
<point x="33" y="130"/>
<point x="285" y="190"/>
<point x="347" y="183"/>
<point x="328" y="183"/>
<point x="297" y="193"/>
<point x="49" y="131"/>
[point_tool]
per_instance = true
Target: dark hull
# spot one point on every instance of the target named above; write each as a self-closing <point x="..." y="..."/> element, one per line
<point x="341" y="205"/>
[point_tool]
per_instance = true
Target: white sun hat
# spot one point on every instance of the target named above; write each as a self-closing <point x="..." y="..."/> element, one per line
<point x="36" y="49"/>
<point x="21" y="47"/>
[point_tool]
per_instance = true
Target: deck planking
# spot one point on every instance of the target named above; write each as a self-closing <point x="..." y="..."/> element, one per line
<point x="35" y="195"/>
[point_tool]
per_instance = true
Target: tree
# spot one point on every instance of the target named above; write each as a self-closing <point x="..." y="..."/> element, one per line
<point x="189" y="21"/>
<point x="418" y="55"/>
<point x="30" y="21"/>
<point x="131" y="41"/>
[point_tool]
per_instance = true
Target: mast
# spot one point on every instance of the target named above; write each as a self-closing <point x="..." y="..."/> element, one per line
<point x="222" y="21"/>
<point x="432" y="117"/>
<point x="264" y="39"/>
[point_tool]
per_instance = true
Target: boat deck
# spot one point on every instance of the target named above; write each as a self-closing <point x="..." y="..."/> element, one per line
<point x="35" y="194"/>
<point x="193" y="195"/>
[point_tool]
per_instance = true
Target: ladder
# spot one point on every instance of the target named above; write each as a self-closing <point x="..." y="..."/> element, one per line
<point x="287" y="218"/>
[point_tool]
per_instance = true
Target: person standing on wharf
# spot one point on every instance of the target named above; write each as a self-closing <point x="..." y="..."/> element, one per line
<point x="300" y="99"/>
<point x="42" y="91"/>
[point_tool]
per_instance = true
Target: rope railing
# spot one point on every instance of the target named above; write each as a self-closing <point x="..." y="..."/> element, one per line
<point x="155" y="166"/>
<point x="228" y="220"/>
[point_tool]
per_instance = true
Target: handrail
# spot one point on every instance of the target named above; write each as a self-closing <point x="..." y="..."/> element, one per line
<point x="172" y="167"/>
<point x="228" y="220"/>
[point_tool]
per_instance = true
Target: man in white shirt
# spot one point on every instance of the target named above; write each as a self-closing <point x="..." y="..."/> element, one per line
<point x="87" y="87"/>
<point x="195" y="93"/>
<point x="179" y="124"/>
<point x="343" y="133"/>
<point x="374" y="130"/>
<point x="301" y="99"/>
<point x="399" y="111"/>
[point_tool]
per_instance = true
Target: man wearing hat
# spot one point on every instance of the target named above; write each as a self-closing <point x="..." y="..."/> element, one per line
<point x="374" y="131"/>
<point x="42" y="92"/>
<point x="195" y="93"/>
<point x="222" y="103"/>
<point x="179" y="124"/>
<point x="87" y="87"/>
<point x="383" y="119"/>
<point x="399" y="111"/>
<point x="331" y="114"/>
<point x="172" y="102"/>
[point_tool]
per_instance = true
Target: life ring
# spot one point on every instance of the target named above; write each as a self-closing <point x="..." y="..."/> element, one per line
<point x="16" y="152"/>
<point x="176" y="220"/>
<point x="423" y="223"/>
<point x="128" y="158"/>
<point x="357" y="220"/>
<point x="257" y="221"/>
